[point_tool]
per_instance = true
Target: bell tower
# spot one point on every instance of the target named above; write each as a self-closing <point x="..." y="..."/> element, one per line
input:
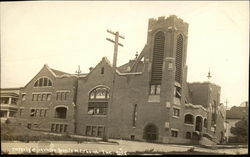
<point x="167" y="44"/>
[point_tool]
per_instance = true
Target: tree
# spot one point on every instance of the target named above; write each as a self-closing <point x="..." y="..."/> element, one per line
<point x="241" y="130"/>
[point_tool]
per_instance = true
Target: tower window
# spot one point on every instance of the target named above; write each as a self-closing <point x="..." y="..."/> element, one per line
<point x="158" y="55"/>
<point x="155" y="89"/>
<point x="178" y="58"/>
<point x="176" y="112"/>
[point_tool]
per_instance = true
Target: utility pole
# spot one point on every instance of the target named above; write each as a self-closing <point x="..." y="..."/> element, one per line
<point x="78" y="72"/>
<point x="116" y="44"/>
<point x="226" y="102"/>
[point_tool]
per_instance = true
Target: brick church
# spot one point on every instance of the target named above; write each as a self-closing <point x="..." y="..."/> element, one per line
<point x="146" y="99"/>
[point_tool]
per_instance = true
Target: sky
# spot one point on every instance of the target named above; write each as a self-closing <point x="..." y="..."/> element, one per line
<point x="65" y="34"/>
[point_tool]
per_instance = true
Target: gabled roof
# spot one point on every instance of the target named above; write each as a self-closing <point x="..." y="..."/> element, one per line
<point x="57" y="72"/>
<point x="105" y="59"/>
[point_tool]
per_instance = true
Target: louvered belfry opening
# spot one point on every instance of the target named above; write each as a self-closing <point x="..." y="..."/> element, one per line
<point x="178" y="58"/>
<point x="158" y="55"/>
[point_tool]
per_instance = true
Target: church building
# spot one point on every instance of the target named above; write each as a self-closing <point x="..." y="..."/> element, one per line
<point x="146" y="99"/>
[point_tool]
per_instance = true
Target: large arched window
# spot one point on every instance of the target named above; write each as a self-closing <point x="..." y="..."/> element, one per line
<point x="189" y="119"/>
<point x="43" y="82"/>
<point x="61" y="112"/>
<point x="98" y="101"/>
<point x="178" y="58"/>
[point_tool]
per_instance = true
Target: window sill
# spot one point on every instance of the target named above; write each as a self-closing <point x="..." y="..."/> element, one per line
<point x="96" y="115"/>
<point x="189" y="124"/>
<point x="176" y="117"/>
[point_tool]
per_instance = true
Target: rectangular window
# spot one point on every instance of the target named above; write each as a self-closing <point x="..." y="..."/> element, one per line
<point x="44" y="97"/>
<point x="100" y="131"/>
<point x="45" y="112"/>
<point x="57" y="128"/>
<point x="155" y="89"/>
<point x="88" y="130"/>
<point x="41" y="113"/>
<point x="66" y="95"/>
<point x="176" y="112"/>
<point x="65" y="128"/>
<point x="91" y="110"/>
<point x="62" y="95"/>
<point x="174" y="133"/>
<point x="52" y="127"/>
<point x="61" y="127"/>
<point x="93" y="131"/>
<point x="23" y="97"/>
<point x="57" y="95"/>
<point x="29" y="126"/>
<point x="32" y="112"/>
<point x="21" y="111"/>
<point x="39" y="97"/>
<point x="48" y="97"/>
<point x="134" y="115"/>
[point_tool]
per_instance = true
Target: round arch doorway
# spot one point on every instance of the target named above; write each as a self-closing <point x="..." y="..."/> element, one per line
<point x="151" y="133"/>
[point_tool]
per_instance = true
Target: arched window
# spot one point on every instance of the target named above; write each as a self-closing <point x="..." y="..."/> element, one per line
<point x="43" y="82"/>
<point x="98" y="101"/>
<point x="188" y="135"/>
<point x="178" y="58"/>
<point x="189" y="119"/>
<point x="205" y="122"/>
<point x="158" y="55"/>
<point x="61" y="112"/>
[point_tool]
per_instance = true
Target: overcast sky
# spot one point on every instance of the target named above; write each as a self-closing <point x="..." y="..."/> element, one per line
<point x="67" y="34"/>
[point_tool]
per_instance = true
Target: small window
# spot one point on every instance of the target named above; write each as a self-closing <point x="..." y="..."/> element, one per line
<point x="57" y="95"/>
<point x="93" y="131"/>
<point x="176" y="112"/>
<point x="45" y="112"/>
<point x="29" y="126"/>
<point x="48" y="97"/>
<point x="39" y="97"/>
<point x="41" y="112"/>
<point x="155" y="90"/>
<point x="132" y="137"/>
<point x="32" y="112"/>
<point x="43" y="82"/>
<point x="21" y="111"/>
<point x="88" y="130"/>
<point x="102" y="70"/>
<point x="65" y="128"/>
<point x="23" y="97"/>
<point x="100" y="131"/>
<point x="174" y="133"/>
<point x="57" y="128"/>
<point x="91" y="110"/>
<point x="61" y="127"/>
<point x="52" y="127"/>
<point x="44" y="97"/>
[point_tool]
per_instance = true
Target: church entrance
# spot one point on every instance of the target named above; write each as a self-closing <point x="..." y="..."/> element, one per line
<point x="151" y="133"/>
